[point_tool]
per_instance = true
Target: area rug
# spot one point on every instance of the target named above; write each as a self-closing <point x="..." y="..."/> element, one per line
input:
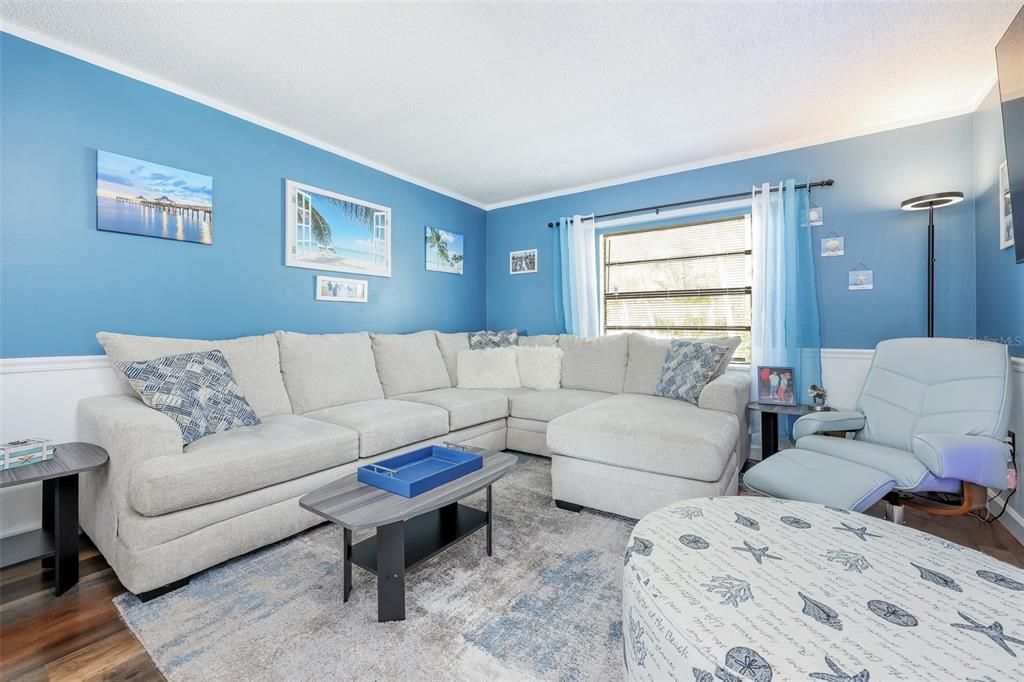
<point x="546" y="606"/>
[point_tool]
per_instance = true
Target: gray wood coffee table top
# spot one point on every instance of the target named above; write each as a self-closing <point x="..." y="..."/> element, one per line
<point x="68" y="458"/>
<point x="358" y="506"/>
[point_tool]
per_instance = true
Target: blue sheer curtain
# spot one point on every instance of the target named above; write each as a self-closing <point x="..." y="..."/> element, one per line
<point x="577" y="278"/>
<point x="786" y="328"/>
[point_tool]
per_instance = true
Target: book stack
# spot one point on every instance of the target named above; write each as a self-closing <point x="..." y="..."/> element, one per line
<point x="26" y="451"/>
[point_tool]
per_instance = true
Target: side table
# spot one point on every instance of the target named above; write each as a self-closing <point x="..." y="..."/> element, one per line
<point x="56" y="543"/>
<point x="770" y="423"/>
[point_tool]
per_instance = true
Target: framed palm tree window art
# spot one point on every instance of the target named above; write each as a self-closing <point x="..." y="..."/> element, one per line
<point x="325" y="230"/>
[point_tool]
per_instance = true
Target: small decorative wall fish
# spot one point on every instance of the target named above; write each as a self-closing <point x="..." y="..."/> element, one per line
<point x="821" y="613"/>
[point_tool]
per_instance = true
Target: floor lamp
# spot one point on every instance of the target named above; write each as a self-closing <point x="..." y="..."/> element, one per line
<point x="930" y="202"/>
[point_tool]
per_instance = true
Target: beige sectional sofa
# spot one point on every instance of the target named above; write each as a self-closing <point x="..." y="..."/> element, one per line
<point x="160" y="512"/>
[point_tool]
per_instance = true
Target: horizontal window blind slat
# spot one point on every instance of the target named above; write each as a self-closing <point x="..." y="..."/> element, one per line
<point x="729" y="310"/>
<point x="711" y="272"/>
<point x="723" y="236"/>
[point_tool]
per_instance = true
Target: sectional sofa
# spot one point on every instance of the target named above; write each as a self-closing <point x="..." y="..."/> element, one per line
<point x="329" y="403"/>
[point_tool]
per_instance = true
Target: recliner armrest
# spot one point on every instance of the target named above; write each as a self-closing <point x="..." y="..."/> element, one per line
<point x="977" y="459"/>
<point x="820" y="422"/>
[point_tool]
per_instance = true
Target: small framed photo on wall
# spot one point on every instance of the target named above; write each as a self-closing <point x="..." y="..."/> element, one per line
<point x="1005" y="210"/>
<point x="341" y="289"/>
<point x="775" y="386"/>
<point x="522" y="262"/>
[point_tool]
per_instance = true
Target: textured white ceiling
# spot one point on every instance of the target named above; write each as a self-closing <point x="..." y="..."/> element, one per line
<point x="498" y="102"/>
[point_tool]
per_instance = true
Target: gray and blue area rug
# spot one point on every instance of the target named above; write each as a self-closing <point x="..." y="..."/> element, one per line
<point x="546" y="606"/>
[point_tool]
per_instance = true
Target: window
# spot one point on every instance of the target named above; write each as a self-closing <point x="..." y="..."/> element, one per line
<point x="684" y="280"/>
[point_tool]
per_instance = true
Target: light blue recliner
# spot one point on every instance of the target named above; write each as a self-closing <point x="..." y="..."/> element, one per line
<point x="931" y="417"/>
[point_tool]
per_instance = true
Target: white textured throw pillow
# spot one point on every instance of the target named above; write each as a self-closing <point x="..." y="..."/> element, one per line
<point x="488" y="368"/>
<point x="540" y="367"/>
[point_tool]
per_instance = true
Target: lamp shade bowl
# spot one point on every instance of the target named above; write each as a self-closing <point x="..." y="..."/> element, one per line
<point x="937" y="200"/>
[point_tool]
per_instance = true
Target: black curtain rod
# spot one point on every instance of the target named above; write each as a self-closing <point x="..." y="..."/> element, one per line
<point x="676" y="204"/>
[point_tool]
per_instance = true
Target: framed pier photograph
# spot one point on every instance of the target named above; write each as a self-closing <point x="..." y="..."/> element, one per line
<point x="152" y="200"/>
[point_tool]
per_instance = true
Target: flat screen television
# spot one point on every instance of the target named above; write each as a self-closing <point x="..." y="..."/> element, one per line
<point x="1010" y="63"/>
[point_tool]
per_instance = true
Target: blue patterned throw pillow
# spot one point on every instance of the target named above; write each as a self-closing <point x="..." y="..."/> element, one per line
<point x="196" y="390"/>
<point x="501" y="339"/>
<point x="687" y="368"/>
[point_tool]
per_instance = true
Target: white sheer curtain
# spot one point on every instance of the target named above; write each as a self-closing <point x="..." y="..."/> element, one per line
<point x="579" y="276"/>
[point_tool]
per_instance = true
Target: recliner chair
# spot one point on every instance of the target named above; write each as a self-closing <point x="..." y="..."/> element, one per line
<point x="931" y="417"/>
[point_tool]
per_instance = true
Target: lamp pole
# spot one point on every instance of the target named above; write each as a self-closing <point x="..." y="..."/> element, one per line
<point x="931" y="202"/>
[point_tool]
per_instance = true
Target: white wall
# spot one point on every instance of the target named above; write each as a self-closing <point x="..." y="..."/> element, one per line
<point x="39" y="397"/>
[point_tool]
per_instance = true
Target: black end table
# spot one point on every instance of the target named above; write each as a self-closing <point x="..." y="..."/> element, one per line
<point x="770" y="423"/>
<point x="56" y="543"/>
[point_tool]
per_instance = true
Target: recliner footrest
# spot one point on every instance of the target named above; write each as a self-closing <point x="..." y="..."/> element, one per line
<point x="809" y="476"/>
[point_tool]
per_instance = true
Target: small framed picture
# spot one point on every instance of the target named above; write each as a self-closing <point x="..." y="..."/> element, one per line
<point x="775" y="386"/>
<point x="340" y="289"/>
<point x="815" y="216"/>
<point x="1005" y="210"/>
<point x="861" y="280"/>
<point x="833" y="246"/>
<point x="522" y="262"/>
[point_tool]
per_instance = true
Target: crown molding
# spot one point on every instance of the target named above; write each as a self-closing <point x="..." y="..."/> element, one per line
<point x="983" y="92"/>
<point x="178" y="89"/>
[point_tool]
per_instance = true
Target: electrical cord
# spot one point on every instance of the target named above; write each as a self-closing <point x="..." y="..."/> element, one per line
<point x="988" y="516"/>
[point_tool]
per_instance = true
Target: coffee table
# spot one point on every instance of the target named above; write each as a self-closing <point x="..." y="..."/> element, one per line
<point x="410" y="530"/>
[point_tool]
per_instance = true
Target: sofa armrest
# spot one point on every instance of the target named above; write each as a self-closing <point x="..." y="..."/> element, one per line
<point x="729" y="392"/>
<point x="820" y="422"/>
<point x="977" y="459"/>
<point x="130" y="432"/>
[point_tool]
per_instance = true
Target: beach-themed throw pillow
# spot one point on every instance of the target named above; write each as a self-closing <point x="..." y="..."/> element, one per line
<point x="488" y="339"/>
<point x="688" y="368"/>
<point x="196" y="390"/>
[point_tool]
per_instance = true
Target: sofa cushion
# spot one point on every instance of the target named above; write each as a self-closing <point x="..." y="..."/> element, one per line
<point x="384" y="425"/>
<point x="409" y="363"/>
<point x="465" y="406"/>
<point x="254" y="361"/>
<point x="231" y="463"/>
<point x="324" y="370"/>
<point x="647" y="356"/>
<point x="539" y="340"/>
<point x="597" y="364"/>
<point x="450" y="345"/>
<point x="647" y="433"/>
<point x="546" y="405"/>
<point x="196" y="390"/>
<point x="488" y="368"/>
<point x="539" y="367"/>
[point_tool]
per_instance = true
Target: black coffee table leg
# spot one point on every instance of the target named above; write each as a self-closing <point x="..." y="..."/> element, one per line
<point x="769" y="434"/>
<point x="65" y="537"/>
<point x="490" y="525"/>
<point x="391" y="572"/>
<point x="347" y="570"/>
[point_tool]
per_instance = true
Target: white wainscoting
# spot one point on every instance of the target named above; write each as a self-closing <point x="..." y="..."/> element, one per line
<point x="39" y="397"/>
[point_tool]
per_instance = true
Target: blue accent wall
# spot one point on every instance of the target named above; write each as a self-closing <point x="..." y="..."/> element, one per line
<point x="62" y="280"/>
<point x="873" y="174"/>
<point x="1000" y="279"/>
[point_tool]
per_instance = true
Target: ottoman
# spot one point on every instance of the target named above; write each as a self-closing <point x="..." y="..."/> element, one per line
<point x="749" y="588"/>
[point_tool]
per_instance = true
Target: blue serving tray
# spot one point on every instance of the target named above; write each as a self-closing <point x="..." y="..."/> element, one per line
<point x="416" y="472"/>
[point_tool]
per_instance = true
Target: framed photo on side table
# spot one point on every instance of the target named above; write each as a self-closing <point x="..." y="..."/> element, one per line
<point x="775" y="385"/>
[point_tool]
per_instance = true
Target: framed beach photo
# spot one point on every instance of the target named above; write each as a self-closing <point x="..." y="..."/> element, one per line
<point x="522" y="262"/>
<point x="152" y="200"/>
<point x="444" y="250"/>
<point x="340" y="289"/>
<point x="325" y="230"/>
<point x="775" y="386"/>
<point x="861" y="280"/>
